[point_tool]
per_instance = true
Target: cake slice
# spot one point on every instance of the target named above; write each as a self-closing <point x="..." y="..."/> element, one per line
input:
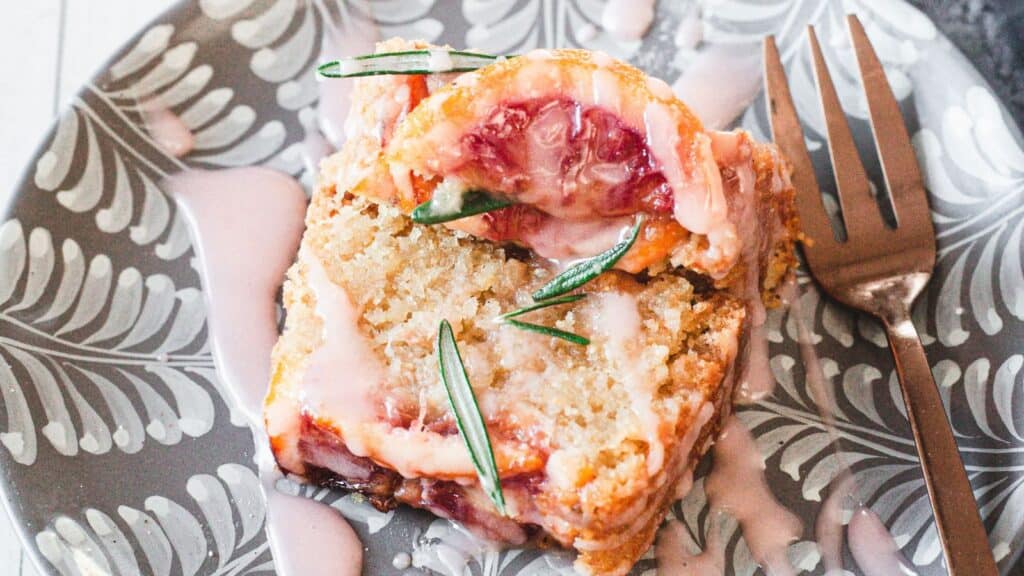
<point x="592" y="443"/>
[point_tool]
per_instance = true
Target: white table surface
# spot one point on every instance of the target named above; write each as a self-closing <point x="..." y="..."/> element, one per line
<point x="47" y="49"/>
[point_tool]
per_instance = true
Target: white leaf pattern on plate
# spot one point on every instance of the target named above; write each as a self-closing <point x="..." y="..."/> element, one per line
<point x="167" y="533"/>
<point x="149" y="336"/>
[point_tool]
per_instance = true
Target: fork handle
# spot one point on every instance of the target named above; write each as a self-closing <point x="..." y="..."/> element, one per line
<point x="960" y="529"/>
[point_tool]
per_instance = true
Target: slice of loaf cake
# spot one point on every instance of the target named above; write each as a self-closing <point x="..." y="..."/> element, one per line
<point x="592" y="443"/>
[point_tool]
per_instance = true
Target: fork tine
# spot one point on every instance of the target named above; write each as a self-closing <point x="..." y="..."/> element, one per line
<point x="860" y="212"/>
<point x="899" y="164"/>
<point x="789" y="136"/>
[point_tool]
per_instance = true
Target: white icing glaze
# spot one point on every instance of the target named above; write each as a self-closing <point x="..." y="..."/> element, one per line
<point x="873" y="547"/>
<point x="756" y="382"/>
<point x="344" y="371"/>
<point x="539" y="54"/>
<point x="737" y="485"/>
<point x="387" y="110"/>
<point x="439" y="61"/>
<point x="246" y="224"/>
<point x="447" y="548"/>
<point x="699" y="200"/>
<point x="704" y="415"/>
<point x="601" y="58"/>
<point x="618" y="317"/>
<point x="606" y="90"/>
<point x="660" y="88"/>
<point x="828" y="526"/>
<point x="586" y="32"/>
<point x="732" y="149"/>
<point x="401" y="561"/>
<point x="340" y="381"/>
<point x="627" y="20"/>
<point x="166" y="129"/>
<point x="690" y="31"/>
<point x="684" y="484"/>
<point x="448" y="196"/>
<point x="715" y="102"/>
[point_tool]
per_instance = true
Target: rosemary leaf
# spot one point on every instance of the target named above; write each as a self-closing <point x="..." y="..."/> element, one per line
<point x="473" y="202"/>
<point x="405" y="62"/>
<point x="467" y="415"/>
<point x="549" y="331"/>
<point x="585" y="271"/>
<point x="544" y="304"/>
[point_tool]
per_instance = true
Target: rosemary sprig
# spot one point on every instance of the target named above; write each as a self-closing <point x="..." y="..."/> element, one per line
<point x="507" y="318"/>
<point x="549" y="331"/>
<point x="585" y="271"/>
<point x="544" y="304"/>
<point x="473" y="202"/>
<point x="467" y="415"/>
<point x="405" y="62"/>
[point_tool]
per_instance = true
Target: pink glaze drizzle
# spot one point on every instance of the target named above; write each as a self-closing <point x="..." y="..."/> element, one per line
<point x="715" y="102"/>
<point x="674" y="556"/>
<point x="343" y="371"/>
<point x="737" y="485"/>
<point x="627" y="20"/>
<point x="246" y="224"/>
<point x="167" y="129"/>
<point x="828" y="526"/>
<point x="873" y="546"/>
<point x="756" y="381"/>
<point x="308" y="538"/>
<point x="342" y="378"/>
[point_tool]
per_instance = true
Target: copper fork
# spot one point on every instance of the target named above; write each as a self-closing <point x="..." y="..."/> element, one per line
<point x="881" y="270"/>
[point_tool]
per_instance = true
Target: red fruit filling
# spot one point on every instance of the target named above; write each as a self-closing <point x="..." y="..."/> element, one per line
<point x="569" y="160"/>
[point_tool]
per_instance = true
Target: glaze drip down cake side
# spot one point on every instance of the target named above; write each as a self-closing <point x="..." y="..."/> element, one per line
<point x="591" y="442"/>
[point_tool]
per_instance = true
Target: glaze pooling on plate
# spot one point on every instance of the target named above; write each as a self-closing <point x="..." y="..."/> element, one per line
<point x="91" y="218"/>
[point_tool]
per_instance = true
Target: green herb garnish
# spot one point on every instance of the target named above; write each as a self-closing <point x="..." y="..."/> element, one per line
<point x="467" y="415"/>
<point x="405" y="62"/>
<point x="585" y="271"/>
<point x="549" y="331"/>
<point x="507" y="318"/>
<point x="541" y="305"/>
<point x="473" y="202"/>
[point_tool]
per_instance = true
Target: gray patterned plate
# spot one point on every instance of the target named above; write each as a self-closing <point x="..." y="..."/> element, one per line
<point x="120" y="455"/>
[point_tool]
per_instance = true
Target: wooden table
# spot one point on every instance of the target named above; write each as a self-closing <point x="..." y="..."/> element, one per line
<point x="48" y="48"/>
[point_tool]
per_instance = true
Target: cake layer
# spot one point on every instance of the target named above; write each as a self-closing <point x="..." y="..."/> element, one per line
<point x="591" y="441"/>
